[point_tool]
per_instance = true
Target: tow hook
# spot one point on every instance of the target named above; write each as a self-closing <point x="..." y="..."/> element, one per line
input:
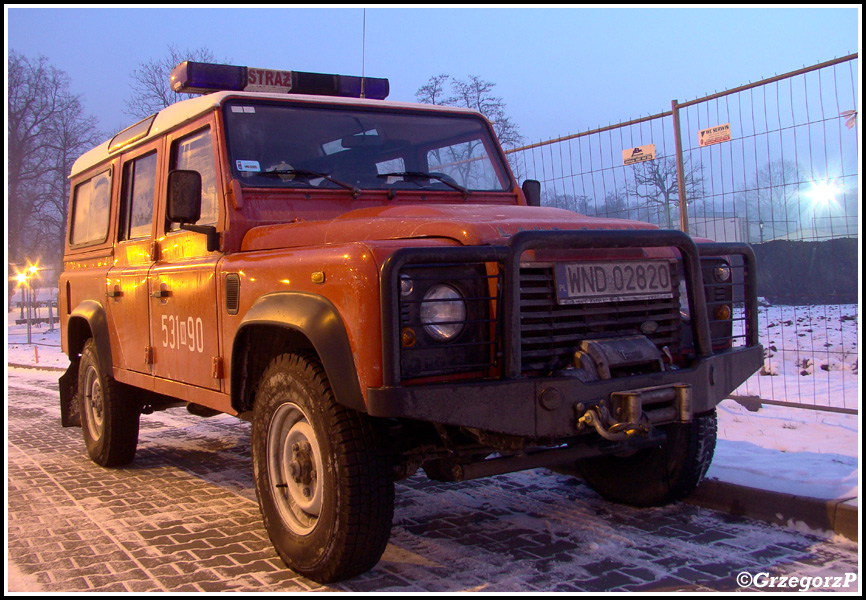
<point x="634" y="412"/>
<point x="608" y="427"/>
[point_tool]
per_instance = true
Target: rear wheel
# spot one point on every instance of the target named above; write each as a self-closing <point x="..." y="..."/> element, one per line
<point x="324" y="480"/>
<point x="656" y="476"/>
<point x="109" y="417"/>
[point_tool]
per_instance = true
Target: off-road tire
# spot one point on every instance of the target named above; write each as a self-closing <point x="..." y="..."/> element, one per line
<point x="329" y="514"/>
<point x="109" y="414"/>
<point x="656" y="476"/>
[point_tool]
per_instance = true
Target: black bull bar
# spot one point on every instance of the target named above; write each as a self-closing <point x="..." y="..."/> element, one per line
<point x="519" y="405"/>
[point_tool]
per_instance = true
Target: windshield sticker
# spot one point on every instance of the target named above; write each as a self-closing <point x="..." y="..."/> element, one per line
<point x="248" y="165"/>
<point x="243" y="109"/>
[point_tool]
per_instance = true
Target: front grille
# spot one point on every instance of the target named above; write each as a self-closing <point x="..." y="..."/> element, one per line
<point x="550" y="333"/>
<point x="526" y="333"/>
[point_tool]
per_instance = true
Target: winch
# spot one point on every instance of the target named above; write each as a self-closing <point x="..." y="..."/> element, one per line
<point x="630" y="412"/>
<point x="607" y="358"/>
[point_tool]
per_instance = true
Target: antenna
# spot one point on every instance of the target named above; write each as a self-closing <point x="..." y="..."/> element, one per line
<point x="363" y="49"/>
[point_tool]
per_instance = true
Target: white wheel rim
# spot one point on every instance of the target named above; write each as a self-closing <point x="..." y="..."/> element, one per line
<point x="94" y="403"/>
<point x="295" y="472"/>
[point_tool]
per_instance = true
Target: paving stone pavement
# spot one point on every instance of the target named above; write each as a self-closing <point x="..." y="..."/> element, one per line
<point x="183" y="518"/>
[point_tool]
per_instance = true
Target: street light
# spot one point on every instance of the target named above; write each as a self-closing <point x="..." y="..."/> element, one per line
<point x="823" y="196"/>
<point x="23" y="284"/>
<point x="23" y="281"/>
<point x="823" y="193"/>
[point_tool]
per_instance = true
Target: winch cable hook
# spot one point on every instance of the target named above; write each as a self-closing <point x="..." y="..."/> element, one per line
<point x="608" y="428"/>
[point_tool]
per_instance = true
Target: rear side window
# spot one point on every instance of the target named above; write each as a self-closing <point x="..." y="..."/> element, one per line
<point x="91" y="206"/>
<point x="139" y="190"/>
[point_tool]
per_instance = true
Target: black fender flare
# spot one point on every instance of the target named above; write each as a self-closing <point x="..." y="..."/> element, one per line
<point x="93" y="313"/>
<point x="315" y="322"/>
<point x="87" y="319"/>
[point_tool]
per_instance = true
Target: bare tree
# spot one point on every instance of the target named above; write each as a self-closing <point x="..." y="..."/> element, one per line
<point x="72" y="134"/>
<point x="773" y="198"/>
<point x="476" y="94"/>
<point x="150" y="81"/>
<point x="655" y="183"/>
<point x="46" y="131"/>
<point x="433" y="92"/>
<point x="33" y="101"/>
<point x="616" y="205"/>
<point x="580" y="204"/>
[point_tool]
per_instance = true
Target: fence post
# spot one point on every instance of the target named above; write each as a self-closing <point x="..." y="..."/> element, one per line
<point x="29" y="301"/>
<point x="681" y="180"/>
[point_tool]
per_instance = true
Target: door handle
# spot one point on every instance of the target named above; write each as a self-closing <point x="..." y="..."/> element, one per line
<point x="161" y="294"/>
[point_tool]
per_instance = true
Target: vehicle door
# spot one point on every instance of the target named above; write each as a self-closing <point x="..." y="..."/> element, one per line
<point x="182" y="282"/>
<point x="126" y="283"/>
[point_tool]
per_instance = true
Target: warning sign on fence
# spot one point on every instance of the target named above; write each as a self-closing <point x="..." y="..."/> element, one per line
<point x="714" y="135"/>
<point x="639" y="154"/>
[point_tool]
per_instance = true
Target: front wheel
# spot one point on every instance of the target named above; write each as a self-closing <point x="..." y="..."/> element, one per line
<point x="656" y="476"/>
<point x="324" y="479"/>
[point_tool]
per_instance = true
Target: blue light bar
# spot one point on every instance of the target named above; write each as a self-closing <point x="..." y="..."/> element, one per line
<point x="202" y="78"/>
<point x="347" y="86"/>
<point x="366" y="87"/>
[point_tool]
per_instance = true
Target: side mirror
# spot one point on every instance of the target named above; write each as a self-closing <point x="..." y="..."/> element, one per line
<point x="532" y="192"/>
<point x="183" y="203"/>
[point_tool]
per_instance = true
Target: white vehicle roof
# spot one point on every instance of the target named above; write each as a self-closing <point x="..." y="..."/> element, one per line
<point x="187" y="110"/>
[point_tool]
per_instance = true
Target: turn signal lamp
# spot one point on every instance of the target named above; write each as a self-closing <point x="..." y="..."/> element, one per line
<point x="202" y="78"/>
<point x="723" y="312"/>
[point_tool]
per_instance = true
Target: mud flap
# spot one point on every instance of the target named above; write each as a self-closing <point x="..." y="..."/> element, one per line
<point x="69" y="416"/>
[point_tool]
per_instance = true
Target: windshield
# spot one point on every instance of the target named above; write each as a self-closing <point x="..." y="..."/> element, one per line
<point x="281" y="145"/>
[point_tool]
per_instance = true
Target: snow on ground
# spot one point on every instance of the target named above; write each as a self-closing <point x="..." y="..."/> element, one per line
<point x="811" y="358"/>
<point x="800" y="451"/>
<point x="810" y="355"/>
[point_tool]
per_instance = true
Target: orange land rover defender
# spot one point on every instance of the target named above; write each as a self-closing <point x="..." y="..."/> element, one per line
<point x="365" y="282"/>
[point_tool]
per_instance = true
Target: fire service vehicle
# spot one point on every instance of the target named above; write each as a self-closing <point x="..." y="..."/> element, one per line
<point x="366" y="283"/>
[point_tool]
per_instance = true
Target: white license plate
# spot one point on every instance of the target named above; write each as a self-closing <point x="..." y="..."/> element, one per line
<point x="578" y="283"/>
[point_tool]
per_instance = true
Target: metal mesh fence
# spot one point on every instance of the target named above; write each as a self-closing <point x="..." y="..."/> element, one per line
<point x="773" y="163"/>
<point x="789" y="170"/>
<point x="585" y="173"/>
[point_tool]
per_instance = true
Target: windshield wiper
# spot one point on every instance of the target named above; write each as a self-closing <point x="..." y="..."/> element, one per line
<point x="424" y="175"/>
<point x="306" y="174"/>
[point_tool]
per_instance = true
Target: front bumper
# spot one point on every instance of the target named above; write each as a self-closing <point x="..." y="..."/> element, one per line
<point x="544" y="407"/>
<point x="548" y="407"/>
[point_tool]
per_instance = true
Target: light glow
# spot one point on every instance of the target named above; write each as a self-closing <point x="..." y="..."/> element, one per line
<point x="823" y="193"/>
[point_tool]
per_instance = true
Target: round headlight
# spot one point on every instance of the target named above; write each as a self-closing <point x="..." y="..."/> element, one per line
<point x="722" y="273"/>
<point x="443" y="312"/>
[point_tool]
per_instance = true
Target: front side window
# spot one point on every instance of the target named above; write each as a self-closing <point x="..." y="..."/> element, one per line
<point x="283" y="145"/>
<point x="195" y="153"/>
<point x="90" y="210"/>
<point x="139" y="190"/>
